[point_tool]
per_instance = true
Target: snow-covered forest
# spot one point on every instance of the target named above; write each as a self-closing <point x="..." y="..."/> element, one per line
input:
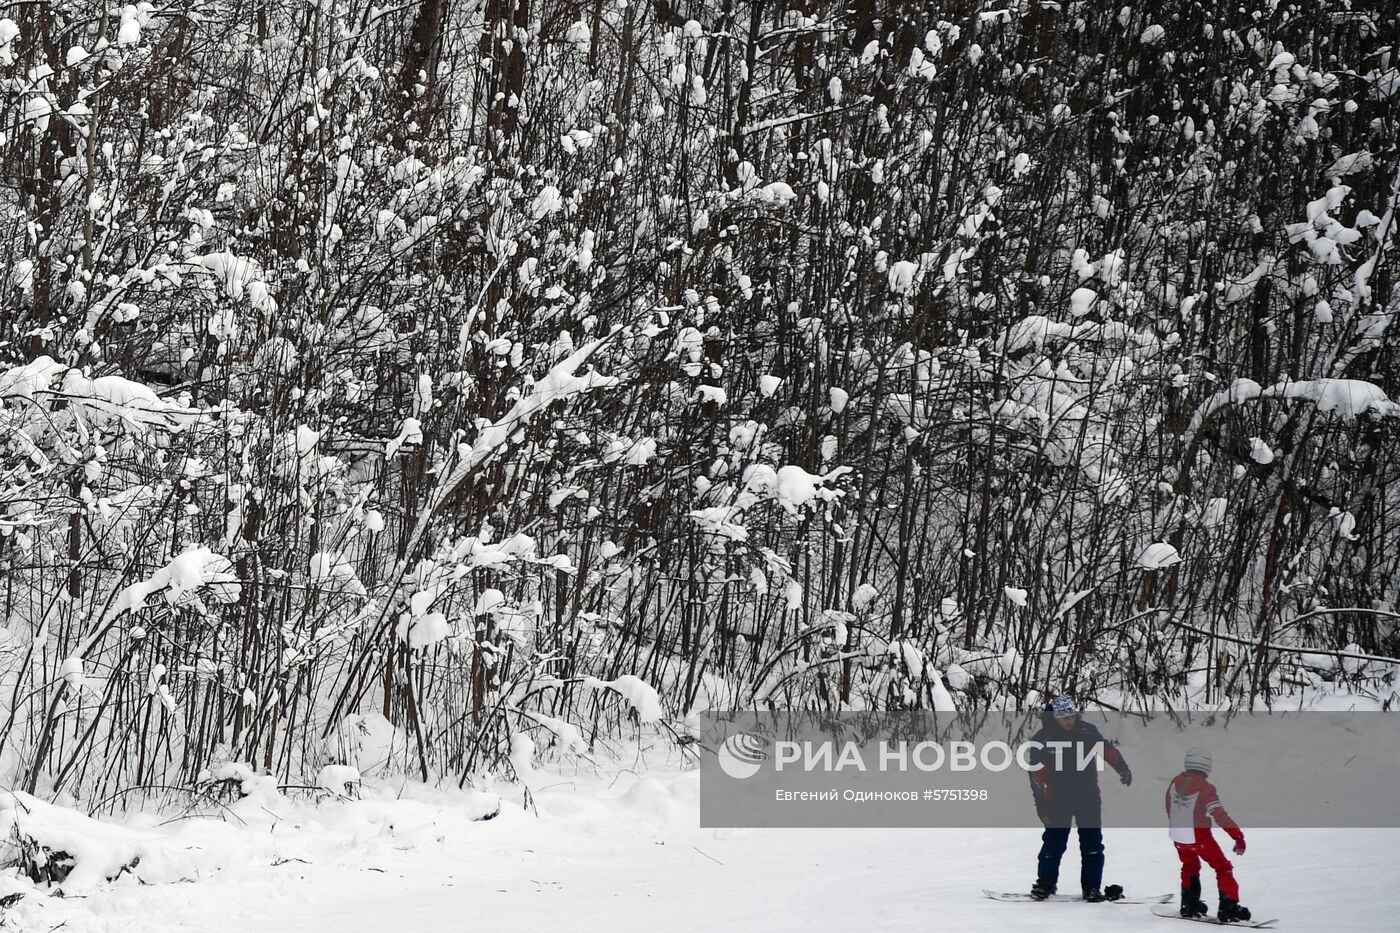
<point x="429" y="388"/>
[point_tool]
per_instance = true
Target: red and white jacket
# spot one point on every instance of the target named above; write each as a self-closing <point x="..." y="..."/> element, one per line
<point x="1192" y="802"/>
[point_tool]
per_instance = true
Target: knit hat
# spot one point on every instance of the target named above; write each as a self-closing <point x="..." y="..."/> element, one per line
<point x="1062" y="707"/>
<point x="1198" y="759"/>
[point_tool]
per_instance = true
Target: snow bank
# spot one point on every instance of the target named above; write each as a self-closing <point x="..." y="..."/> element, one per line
<point x="337" y="779"/>
<point x="98" y="850"/>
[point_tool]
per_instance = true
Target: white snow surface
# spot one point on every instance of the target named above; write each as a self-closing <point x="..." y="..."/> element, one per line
<point x="619" y="849"/>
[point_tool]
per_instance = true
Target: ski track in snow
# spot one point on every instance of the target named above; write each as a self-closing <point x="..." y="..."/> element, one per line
<point x="623" y="860"/>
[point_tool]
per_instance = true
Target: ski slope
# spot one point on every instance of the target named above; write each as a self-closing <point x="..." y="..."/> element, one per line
<point x="625" y="854"/>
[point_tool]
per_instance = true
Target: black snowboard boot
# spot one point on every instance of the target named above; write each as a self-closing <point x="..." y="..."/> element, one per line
<point x="1191" y="903"/>
<point x="1093" y="895"/>
<point x="1043" y="888"/>
<point x="1231" y="911"/>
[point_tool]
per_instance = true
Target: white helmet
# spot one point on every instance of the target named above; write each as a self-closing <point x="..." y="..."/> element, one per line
<point x="1198" y="759"/>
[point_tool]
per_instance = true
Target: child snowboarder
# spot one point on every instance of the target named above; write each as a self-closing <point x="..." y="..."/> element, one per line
<point x="1192" y="802"/>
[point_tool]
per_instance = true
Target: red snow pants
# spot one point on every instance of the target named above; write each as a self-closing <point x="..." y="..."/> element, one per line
<point x="1206" y="849"/>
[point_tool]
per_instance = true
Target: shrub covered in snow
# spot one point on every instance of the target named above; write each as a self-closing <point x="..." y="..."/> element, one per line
<point x="376" y="403"/>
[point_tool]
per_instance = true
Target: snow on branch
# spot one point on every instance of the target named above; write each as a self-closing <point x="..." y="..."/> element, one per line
<point x="640" y="695"/>
<point x="106" y="399"/>
<point x="1346" y="398"/>
<point x="178" y="581"/>
<point x="559" y="384"/>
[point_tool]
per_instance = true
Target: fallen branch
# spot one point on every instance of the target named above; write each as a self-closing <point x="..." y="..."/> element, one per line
<point x="1287" y="649"/>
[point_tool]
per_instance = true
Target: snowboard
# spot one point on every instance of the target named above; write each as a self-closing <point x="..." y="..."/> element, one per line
<point x="1248" y="924"/>
<point x="1022" y="897"/>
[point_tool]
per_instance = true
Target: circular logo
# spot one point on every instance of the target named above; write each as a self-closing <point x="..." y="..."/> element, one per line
<point x="742" y="755"/>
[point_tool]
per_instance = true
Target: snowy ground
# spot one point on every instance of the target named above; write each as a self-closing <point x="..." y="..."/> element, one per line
<point x="627" y="855"/>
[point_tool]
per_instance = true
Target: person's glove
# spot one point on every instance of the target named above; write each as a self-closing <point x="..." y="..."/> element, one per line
<point x="1042" y="812"/>
<point x="1239" y="846"/>
<point x="1126" y="776"/>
